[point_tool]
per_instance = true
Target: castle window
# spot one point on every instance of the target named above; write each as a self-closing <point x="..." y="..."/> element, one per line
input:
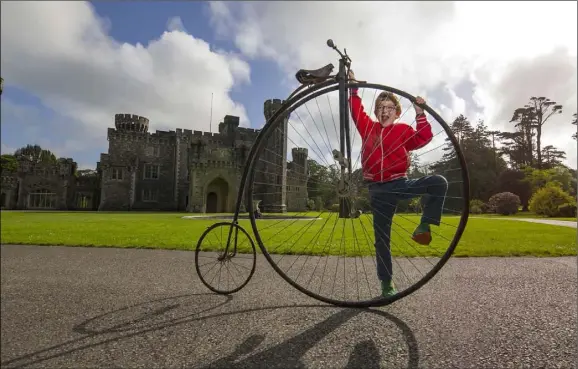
<point x="83" y="201"/>
<point x="156" y="151"/>
<point x="116" y="173"/>
<point x="149" y="195"/>
<point x="151" y="171"/>
<point x="42" y="199"/>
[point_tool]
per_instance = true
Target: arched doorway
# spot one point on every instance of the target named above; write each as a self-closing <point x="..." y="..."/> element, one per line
<point x="212" y="203"/>
<point x="217" y="196"/>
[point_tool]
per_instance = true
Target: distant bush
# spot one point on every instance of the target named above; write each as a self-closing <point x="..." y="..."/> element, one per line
<point x="567" y="210"/>
<point x="311" y="204"/>
<point x="548" y="200"/>
<point x="477" y="207"/>
<point x="318" y="203"/>
<point x="504" y="203"/>
<point x="415" y="205"/>
<point x="334" y="208"/>
<point x="363" y="203"/>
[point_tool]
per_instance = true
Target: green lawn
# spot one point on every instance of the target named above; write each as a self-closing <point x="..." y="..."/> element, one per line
<point x="482" y="237"/>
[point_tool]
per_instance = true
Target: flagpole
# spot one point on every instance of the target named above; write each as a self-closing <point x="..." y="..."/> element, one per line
<point x="211" y="117"/>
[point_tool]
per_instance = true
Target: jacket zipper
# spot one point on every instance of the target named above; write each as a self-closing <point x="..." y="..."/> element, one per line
<point x="381" y="141"/>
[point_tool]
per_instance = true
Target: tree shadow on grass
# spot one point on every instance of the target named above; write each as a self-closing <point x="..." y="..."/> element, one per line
<point x="159" y="314"/>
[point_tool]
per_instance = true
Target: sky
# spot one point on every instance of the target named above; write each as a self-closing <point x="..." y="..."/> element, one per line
<point x="69" y="67"/>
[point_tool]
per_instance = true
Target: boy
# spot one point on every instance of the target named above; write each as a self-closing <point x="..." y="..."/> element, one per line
<point x="385" y="161"/>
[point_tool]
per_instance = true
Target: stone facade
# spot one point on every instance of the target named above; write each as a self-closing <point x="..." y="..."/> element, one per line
<point x="49" y="186"/>
<point x="180" y="170"/>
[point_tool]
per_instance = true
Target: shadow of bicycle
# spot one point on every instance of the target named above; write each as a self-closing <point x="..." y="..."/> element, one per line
<point x="156" y="316"/>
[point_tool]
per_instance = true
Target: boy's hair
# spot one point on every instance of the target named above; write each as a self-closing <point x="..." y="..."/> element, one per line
<point x="386" y="95"/>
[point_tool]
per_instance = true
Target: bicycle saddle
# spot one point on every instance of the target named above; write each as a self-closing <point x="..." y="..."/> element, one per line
<point x="305" y="76"/>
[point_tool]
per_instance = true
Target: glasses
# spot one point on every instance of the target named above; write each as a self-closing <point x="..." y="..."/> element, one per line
<point x="388" y="108"/>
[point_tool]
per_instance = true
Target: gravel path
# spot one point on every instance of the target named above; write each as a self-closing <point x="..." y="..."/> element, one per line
<point x="561" y="223"/>
<point x="73" y="307"/>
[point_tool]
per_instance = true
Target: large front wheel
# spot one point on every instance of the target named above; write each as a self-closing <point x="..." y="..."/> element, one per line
<point x="323" y="241"/>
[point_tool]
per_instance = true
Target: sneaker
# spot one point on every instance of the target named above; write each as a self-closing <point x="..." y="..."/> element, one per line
<point x="422" y="234"/>
<point x="388" y="288"/>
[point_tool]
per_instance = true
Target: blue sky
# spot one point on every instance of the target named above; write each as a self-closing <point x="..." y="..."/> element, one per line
<point x="132" y="22"/>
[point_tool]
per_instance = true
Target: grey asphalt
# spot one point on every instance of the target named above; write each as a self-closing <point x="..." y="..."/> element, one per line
<point x="73" y="307"/>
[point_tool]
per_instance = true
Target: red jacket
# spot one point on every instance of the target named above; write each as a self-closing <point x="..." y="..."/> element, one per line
<point x="385" y="150"/>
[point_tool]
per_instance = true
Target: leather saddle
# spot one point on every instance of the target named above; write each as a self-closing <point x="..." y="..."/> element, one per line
<point x="305" y="76"/>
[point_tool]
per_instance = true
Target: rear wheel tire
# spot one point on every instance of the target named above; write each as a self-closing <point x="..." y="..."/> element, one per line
<point x="241" y="259"/>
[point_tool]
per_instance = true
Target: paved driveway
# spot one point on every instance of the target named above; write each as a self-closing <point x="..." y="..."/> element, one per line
<point x="561" y="223"/>
<point x="81" y="307"/>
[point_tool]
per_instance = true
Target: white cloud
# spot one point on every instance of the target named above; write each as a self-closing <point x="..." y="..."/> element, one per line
<point x="60" y="52"/>
<point x="509" y="51"/>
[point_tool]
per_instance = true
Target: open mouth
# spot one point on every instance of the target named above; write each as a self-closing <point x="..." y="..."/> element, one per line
<point x="384" y="117"/>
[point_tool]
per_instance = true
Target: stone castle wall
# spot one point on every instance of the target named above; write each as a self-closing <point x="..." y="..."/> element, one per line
<point x="48" y="186"/>
<point x="181" y="170"/>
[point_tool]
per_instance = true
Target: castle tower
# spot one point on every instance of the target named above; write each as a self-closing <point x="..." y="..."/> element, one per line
<point x="131" y="123"/>
<point x="298" y="194"/>
<point x="275" y="162"/>
<point x="119" y="166"/>
<point x="230" y="125"/>
<point x="300" y="155"/>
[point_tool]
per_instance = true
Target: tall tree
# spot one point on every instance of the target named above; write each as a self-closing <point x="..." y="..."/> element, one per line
<point x="9" y="163"/>
<point x="552" y="156"/>
<point x="524" y="140"/>
<point x="514" y="148"/>
<point x="462" y="128"/>
<point x="574" y="123"/>
<point x="494" y="134"/>
<point x="535" y="115"/>
<point x="35" y="154"/>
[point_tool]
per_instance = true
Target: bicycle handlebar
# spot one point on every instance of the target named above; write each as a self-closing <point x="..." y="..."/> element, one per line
<point x="331" y="44"/>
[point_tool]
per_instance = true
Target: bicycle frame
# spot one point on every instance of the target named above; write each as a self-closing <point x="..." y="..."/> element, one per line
<point x="344" y="141"/>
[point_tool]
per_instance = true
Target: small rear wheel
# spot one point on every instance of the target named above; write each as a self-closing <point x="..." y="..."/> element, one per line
<point x="225" y="258"/>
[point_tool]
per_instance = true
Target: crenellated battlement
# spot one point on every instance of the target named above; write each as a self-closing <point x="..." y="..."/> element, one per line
<point x="300" y="151"/>
<point x="131" y="123"/>
<point x="299" y="155"/>
<point x="251" y="131"/>
<point x="271" y="106"/>
<point x="164" y="138"/>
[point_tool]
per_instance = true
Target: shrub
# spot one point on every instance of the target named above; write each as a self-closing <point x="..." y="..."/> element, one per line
<point x="548" y="199"/>
<point x="567" y="210"/>
<point x="477" y="206"/>
<point x="310" y="204"/>
<point x="415" y="205"/>
<point x="504" y="203"/>
<point x="318" y="203"/>
<point x="334" y="208"/>
<point x="475" y="209"/>
<point x="363" y="203"/>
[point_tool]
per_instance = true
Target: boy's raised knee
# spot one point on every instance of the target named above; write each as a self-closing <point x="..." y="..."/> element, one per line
<point x="440" y="181"/>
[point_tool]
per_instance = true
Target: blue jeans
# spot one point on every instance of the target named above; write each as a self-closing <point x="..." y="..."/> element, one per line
<point x="384" y="197"/>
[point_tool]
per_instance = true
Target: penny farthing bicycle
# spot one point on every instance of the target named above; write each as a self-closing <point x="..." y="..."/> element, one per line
<point x="309" y="207"/>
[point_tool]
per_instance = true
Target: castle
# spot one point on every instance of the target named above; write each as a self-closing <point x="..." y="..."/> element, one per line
<point x="179" y="170"/>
